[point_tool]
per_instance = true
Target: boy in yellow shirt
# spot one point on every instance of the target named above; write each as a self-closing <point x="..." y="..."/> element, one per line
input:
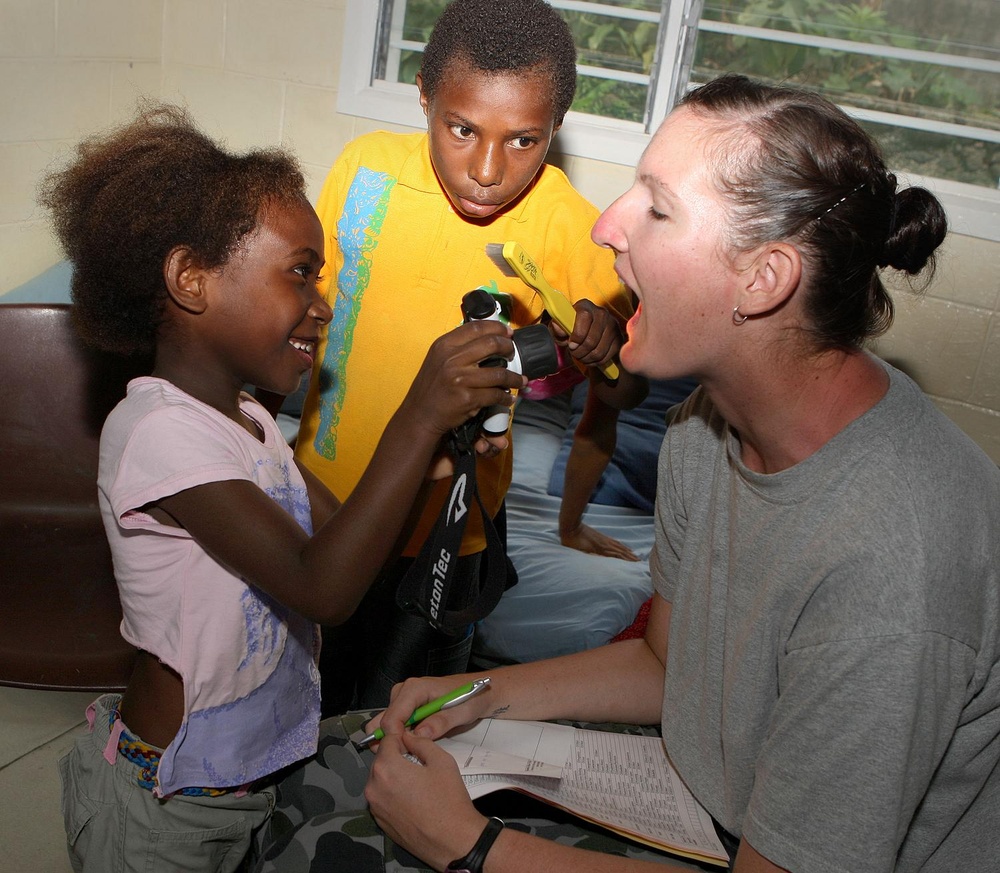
<point x="408" y="219"/>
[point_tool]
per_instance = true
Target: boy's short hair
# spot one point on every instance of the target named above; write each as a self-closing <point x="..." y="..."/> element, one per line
<point x="503" y="36"/>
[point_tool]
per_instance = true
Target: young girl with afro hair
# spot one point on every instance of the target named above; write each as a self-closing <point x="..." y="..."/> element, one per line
<point x="227" y="553"/>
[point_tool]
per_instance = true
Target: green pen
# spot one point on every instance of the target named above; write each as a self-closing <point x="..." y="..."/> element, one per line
<point x="452" y="698"/>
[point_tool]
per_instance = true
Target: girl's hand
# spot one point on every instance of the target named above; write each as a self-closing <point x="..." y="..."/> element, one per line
<point x="424" y="806"/>
<point x="443" y="465"/>
<point x="491" y="445"/>
<point x="451" y="387"/>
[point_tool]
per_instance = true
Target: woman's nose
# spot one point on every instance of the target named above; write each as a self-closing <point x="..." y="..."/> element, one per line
<point x="607" y="231"/>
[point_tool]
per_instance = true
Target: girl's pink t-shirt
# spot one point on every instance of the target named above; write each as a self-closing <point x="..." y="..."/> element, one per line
<point x="251" y="685"/>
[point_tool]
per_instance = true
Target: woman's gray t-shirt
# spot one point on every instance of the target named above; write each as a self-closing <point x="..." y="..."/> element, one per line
<point x="833" y="688"/>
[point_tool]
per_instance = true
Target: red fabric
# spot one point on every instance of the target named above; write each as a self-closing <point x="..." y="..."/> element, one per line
<point x="637" y="629"/>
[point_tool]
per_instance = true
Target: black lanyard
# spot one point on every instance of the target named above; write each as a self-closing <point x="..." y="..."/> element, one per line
<point x="426" y="588"/>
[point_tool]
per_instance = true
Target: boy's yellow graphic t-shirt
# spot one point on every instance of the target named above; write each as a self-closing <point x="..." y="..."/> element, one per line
<point x="399" y="261"/>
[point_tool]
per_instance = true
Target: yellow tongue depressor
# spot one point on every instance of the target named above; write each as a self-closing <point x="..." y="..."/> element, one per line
<point x="514" y="261"/>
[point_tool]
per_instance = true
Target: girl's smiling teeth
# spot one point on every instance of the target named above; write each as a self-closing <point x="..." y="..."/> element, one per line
<point x="306" y="347"/>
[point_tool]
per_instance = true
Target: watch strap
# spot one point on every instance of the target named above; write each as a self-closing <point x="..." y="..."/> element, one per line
<point x="474" y="860"/>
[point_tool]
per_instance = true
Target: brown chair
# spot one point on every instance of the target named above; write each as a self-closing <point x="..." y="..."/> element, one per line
<point x="59" y="607"/>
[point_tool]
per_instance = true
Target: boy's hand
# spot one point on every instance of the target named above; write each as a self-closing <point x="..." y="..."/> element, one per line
<point x="584" y="538"/>
<point x="596" y="336"/>
<point x="451" y="387"/>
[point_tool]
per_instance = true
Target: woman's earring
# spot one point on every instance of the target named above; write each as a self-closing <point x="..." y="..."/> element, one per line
<point x="738" y="317"/>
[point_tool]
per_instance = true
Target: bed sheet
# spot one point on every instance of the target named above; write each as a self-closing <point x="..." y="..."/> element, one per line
<point x="565" y="600"/>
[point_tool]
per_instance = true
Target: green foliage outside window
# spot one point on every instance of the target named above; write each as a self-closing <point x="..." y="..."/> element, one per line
<point x="887" y="84"/>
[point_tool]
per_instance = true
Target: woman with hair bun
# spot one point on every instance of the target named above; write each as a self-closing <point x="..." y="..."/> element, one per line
<point x="822" y="651"/>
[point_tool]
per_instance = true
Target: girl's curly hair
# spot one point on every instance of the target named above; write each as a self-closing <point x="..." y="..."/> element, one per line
<point x="134" y="194"/>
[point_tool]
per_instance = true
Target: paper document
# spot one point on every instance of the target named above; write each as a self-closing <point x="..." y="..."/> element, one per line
<point x="508" y="748"/>
<point x="619" y="781"/>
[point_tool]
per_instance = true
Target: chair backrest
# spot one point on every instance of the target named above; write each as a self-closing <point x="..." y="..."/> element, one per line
<point x="59" y="607"/>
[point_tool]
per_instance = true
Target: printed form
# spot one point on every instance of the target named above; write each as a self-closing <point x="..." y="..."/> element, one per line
<point x="620" y="781"/>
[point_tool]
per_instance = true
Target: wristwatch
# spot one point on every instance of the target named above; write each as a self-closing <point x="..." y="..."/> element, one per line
<point x="473" y="862"/>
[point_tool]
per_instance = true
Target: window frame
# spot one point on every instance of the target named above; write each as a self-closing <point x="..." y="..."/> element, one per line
<point x="972" y="210"/>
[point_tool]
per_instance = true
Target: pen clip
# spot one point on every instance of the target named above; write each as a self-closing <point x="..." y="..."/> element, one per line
<point x="477" y="686"/>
